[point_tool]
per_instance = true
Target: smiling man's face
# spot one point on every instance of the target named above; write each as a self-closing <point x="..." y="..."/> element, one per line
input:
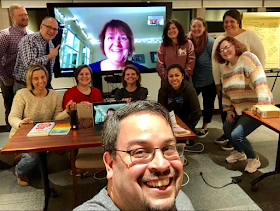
<point x="154" y="185"/>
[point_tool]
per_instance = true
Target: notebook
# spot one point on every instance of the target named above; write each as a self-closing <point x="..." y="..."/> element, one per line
<point x="101" y="110"/>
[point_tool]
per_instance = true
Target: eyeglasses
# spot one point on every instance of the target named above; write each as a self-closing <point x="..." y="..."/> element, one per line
<point x="50" y="28"/>
<point x="146" y="155"/>
<point x="225" y="49"/>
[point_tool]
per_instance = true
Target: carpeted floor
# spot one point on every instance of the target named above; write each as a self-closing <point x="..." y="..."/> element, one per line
<point x="211" y="162"/>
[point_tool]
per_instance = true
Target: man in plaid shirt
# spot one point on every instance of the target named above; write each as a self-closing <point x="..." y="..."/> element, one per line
<point x="36" y="49"/>
<point x="9" y="39"/>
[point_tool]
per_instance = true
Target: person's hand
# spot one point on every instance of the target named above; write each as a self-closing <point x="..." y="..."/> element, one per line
<point x="230" y="117"/>
<point x="219" y="90"/>
<point x="25" y="121"/>
<point x="70" y="105"/>
<point x="86" y="104"/>
<point x="53" y="52"/>
<point x="128" y="100"/>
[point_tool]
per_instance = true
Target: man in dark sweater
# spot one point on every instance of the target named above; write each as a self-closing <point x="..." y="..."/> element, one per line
<point x="142" y="160"/>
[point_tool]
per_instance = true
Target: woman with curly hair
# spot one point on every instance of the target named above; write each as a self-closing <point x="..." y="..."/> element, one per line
<point x="175" y="49"/>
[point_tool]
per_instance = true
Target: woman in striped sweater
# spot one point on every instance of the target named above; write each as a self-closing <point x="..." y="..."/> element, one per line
<point x="244" y="85"/>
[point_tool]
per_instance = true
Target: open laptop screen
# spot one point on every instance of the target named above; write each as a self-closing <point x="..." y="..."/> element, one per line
<point x="102" y="109"/>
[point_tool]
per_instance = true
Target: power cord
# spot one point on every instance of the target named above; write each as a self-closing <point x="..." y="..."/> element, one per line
<point x="187" y="150"/>
<point x="234" y="181"/>
<point x="187" y="180"/>
<point x="99" y="178"/>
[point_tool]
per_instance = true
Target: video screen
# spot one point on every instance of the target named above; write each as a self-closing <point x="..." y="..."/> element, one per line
<point x="102" y="111"/>
<point x="109" y="36"/>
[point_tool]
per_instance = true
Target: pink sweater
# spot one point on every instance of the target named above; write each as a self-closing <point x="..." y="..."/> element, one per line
<point x="183" y="55"/>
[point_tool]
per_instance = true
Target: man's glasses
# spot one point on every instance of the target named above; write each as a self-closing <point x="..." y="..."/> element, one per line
<point x="146" y="155"/>
<point x="225" y="48"/>
<point x="50" y="28"/>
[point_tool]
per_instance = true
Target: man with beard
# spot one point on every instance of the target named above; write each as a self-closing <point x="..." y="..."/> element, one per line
<point x="142" y="160"/>
<point x="9" y="39"/>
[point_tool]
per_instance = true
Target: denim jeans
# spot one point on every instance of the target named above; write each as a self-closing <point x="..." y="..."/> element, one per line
<point x="237" y="132"/>
<point x="28" y="162"/>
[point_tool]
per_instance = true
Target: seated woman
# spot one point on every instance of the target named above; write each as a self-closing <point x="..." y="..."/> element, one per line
<point x="82" y="93"/>
<point x="32" y="104"/>
<point x="132" y="90"/>
<point x="179" y="95"/>
<point x="244" y="85"/>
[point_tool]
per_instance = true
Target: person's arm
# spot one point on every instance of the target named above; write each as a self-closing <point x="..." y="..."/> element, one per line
<point x="28" y="52"/>
<point x="257" y="48"/>
<point x="16" y="114"/>
<point x="195" y="112"/>
<point x="190" y="60"/>
<point x="215" y="65"/>
<point x="162" y="96"/>
<point x="59" y="113"/>
<point x="4" y="42"/>
<point x="258" y="80"/>
<point x="160" y="65"/>
<point x="98" y="94"/>
<point x="143" y="93"/>
<point x="227" y="105"/>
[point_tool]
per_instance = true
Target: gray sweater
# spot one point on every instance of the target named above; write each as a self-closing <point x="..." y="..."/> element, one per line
<point x="102" y="201"/>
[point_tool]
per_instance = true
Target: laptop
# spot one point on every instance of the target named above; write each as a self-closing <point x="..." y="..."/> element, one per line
<point x="101" y="110"/>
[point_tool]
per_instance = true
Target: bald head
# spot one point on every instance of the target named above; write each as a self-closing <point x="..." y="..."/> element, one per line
<point x="48" y="28"/>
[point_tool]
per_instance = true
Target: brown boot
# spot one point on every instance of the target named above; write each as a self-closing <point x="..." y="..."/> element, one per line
<point x="22" y="180"/>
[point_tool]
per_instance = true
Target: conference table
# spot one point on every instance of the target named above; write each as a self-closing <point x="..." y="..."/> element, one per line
<point x="82" y="138"/>
<point x="273" y="124"/>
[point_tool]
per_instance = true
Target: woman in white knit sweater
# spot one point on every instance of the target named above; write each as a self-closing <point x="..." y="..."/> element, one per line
<point x="32" y="104"/>
<point x="244" y="85"/>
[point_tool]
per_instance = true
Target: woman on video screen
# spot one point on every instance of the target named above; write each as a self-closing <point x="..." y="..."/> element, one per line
<point x="117" y="43"/>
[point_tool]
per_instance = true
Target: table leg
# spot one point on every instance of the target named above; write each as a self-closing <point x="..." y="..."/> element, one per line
<point x="45" y="177"/>
<point x="277" y="169"/>
<point x="74" y="177"/>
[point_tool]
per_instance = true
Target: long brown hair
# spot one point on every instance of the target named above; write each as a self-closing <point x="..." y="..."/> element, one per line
<point x="182" y="39"/>
<point x="202" y="40"/>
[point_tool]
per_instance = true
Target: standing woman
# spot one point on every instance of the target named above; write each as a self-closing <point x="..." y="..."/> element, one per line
<point x="35" y="103"/>
<point x="244" y="85"/>
<point x="202" y="74"/>
<point x="82" y="93"/>
<point x="232" y="27"/>
<point x="178" y="94"/>
<point x="131" y="81"/>
<point x="175" y="49"/>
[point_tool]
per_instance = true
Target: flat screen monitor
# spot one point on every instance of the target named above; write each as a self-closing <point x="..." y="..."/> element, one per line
<point x="138" y="35"/>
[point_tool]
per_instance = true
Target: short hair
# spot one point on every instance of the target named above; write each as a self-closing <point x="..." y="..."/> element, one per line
<point x="117" y="24"/>
<point x="79" y="69"/>
<point x="234" y="14"/>
<point x="131" y="66"/>
<point x="182" y="38"/>
<point x="240" y="48"/>
<point x="177" y="66"/>
<point x="112" y="123"/>
<point x="13" y="7"/>
<point x="30" y="71"/>
<point x="48" y="17"/>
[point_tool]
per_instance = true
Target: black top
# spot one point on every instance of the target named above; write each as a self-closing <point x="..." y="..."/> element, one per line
<point x="183" y="102"/>
<point x="138" y="94"/>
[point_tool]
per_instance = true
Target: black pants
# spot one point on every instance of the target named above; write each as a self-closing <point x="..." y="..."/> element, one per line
<point x="223" y="114"/>
<point x="208" y="95"/>
<point x="8" y="96"/>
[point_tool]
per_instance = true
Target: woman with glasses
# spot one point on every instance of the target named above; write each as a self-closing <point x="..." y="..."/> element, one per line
<point x="244" y="85"/>
<point x="35" y="103"/>
<point x="178" y="94"/>
<point x="175" y="49"/>
<point x="232" y="26"/>
<point x="202" y="78"/>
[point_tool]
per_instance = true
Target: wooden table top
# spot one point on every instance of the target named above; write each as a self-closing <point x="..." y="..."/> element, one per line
<point x="81" y="138"/>
<point x="272" y="123"/>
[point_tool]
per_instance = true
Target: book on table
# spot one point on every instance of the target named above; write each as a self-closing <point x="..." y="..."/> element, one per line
<point x="61" y="129"/>
<point x="41" y="129"/>
<point x="179" y="131"/>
